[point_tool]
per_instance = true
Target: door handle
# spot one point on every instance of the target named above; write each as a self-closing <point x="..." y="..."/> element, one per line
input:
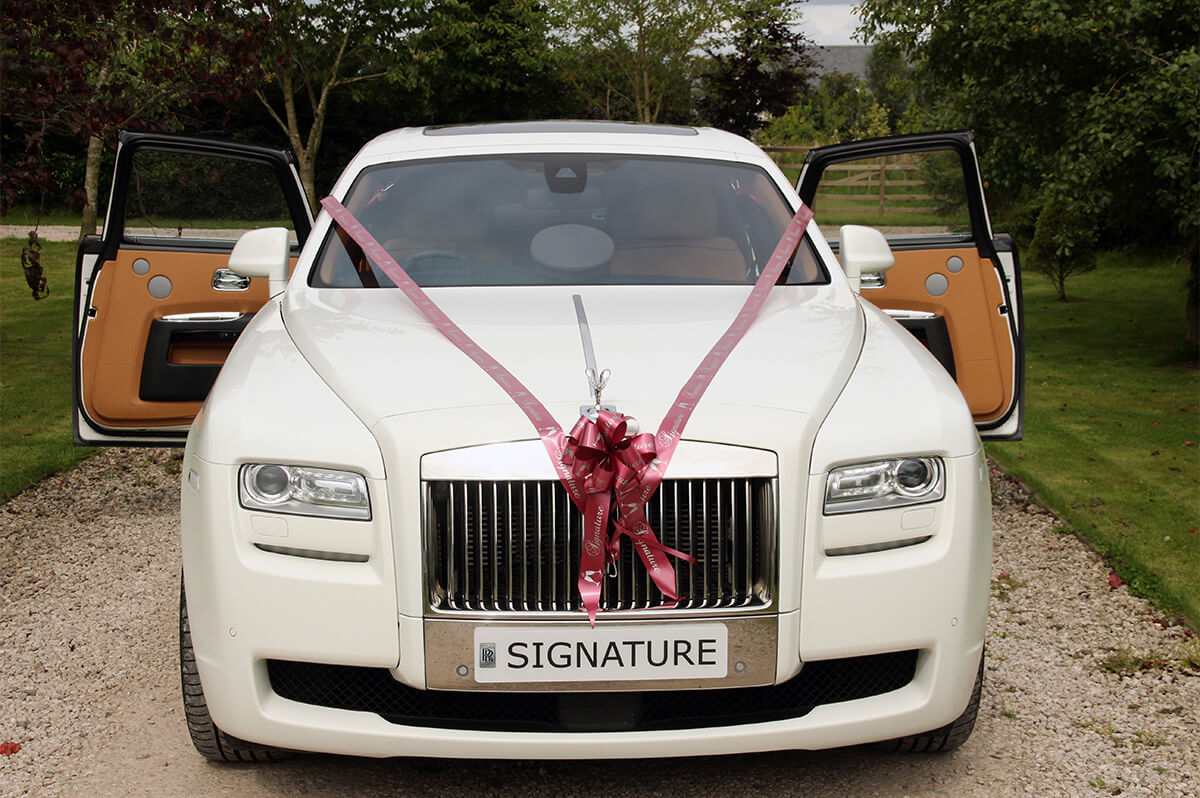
<point x="229" y="280"/>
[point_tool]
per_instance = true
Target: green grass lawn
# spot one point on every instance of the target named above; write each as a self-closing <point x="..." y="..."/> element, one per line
<point x="35" y="368"/>
<point x="28" y="214"/>
<point x="1112" y="431"/>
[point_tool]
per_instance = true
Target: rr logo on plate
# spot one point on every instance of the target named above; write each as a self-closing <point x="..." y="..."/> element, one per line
<point x="487" y="655"/>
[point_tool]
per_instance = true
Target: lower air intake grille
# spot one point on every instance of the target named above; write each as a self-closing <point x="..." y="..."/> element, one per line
<point x="514" y="546"/>
<point x="374" y="690"/>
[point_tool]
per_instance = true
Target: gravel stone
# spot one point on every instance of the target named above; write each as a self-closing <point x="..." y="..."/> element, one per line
<point x="1088" y="690"/>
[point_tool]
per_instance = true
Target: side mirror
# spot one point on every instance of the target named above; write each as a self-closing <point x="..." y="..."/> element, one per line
<point x="263" y="253"/>
<point x="863" y="250"/>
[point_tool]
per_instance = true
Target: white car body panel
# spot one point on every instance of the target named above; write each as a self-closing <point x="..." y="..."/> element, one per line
<point x="281" y="408"/>
<point x="653" y="336"/>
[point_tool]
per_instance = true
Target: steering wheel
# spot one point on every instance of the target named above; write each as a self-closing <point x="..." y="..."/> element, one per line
<point x="428" y="254"/>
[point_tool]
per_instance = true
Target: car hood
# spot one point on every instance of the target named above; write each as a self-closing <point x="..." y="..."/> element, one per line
<point x="383" y="358"/>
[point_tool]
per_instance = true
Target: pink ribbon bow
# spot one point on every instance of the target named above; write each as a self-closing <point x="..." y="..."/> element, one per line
<point x="600" y="456"/>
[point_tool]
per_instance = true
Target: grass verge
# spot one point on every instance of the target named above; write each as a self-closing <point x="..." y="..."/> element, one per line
<point x="1112" y="428"/>
<point x="28" y="215"/>
<point x="35" y="368"/>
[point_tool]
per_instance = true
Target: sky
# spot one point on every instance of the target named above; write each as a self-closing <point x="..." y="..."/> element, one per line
<point x="829" y="22"/>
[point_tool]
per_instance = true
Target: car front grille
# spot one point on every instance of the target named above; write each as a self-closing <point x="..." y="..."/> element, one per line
<point x="374" y="690"/>
<point x="495" y="546"/>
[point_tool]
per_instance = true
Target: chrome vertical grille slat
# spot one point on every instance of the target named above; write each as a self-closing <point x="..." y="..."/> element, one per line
<point x="480" y="568"/>
<point x="514" y="546"/>
<point x="495" y="558"/>
<point x="508" y="592"/>
<point x="539" y="550"/>
<point x="450" y="575"/>
<point x="466" y="569"/>
<point x="748" y="553"/>
<point x="704" y="542"/>
<point x="552" y="599"/>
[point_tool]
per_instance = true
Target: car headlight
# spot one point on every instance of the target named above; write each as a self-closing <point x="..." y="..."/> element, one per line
<point x="304" y="490"/>
<point x="884" y="483"/>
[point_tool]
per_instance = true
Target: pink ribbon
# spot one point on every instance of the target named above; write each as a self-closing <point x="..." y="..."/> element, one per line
<point x="597" y="460"/>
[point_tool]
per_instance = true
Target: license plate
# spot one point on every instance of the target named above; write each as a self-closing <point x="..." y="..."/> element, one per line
<point x="605" y="653"/>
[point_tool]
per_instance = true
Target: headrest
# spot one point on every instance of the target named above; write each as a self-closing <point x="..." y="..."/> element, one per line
<point x="676" y="211"/>
<point x="442" y="220"/>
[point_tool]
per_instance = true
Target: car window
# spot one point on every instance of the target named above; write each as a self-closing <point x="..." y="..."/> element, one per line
<point x="565" y="219"/>
<point x="175" y="195"/>
<point x="910" y="194"/>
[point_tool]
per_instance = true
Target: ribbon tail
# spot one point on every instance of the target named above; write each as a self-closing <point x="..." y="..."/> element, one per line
<point x="590" y="593"/>
<point x="653" y="554"/>
<point x="594" y="552"/>
<point x="675" y="553"/>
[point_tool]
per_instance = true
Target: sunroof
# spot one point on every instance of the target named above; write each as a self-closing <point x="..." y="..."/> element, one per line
<point x="559" y="126"/>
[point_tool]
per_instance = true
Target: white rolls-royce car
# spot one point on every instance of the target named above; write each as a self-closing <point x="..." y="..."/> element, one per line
<point x="564" y="439"/>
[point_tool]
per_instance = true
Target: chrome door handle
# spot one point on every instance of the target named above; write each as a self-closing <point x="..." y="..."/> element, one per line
<point x="229" y="280"/>
<point x="874" y="280"/>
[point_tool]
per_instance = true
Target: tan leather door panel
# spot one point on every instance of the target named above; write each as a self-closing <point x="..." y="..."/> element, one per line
<point x="970" y="301"/>
<point x="126" y="305"/>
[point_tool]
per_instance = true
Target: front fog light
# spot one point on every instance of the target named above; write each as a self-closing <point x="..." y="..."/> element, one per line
<point x="304" y="490"/>
<point x="884" y="483"/>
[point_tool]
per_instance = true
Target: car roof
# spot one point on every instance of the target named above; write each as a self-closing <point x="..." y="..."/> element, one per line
<point x="558" y="135"/>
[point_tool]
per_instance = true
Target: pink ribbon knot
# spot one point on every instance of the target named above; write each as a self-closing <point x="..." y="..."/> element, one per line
<point x="609" y="464"/>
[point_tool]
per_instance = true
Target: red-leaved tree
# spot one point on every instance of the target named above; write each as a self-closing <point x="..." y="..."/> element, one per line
<point x="85" y="68"/>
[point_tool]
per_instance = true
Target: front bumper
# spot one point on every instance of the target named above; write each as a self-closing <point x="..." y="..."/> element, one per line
<point x="252" y="607"/>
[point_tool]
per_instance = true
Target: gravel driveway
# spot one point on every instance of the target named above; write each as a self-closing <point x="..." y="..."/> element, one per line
<point x="1086" y="691"/>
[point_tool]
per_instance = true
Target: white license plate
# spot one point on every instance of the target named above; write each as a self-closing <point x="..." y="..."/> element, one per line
<point x="505" y="655"/>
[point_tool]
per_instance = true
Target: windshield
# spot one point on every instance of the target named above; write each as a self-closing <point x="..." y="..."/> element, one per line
<point x="565" y="219"/>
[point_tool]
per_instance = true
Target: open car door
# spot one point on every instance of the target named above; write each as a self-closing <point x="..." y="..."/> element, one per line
<point x="156" y="308"/>
<point x="955" y="285"/>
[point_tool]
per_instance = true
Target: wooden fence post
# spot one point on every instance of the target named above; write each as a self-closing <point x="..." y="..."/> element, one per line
<point x="882" y="181"/>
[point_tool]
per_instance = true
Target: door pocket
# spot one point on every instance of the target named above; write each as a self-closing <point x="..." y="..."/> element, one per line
<point x="931" y="331"/>
<point x="183" y="358"/>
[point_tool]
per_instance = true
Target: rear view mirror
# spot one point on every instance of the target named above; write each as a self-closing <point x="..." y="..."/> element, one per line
<point x="863" y="250"/>
<point x="265" y="252"/>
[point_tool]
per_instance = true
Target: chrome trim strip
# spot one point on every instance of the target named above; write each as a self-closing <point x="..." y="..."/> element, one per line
<point x="909" y="314"/>
<point x="868" y="548"/>
<point x="210" y="315"/>
<point x="313" y="554"/>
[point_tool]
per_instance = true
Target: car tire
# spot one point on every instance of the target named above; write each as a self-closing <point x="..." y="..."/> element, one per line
<point x="207" y="737"/>
<point x="947" y="738"/>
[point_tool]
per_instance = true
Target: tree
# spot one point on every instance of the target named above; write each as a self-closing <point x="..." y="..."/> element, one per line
<point x="317" y="48"/>
<point x="840" y="109"/>
<point x="890" y="81"/>
<point x="1081" y="103"/>
<point x="635" y="58"/>
<point x="1063" y="244"/>
<point x="486" y="60"/>
<point x="766" y="69"/>
<point x="83" y="69"/>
